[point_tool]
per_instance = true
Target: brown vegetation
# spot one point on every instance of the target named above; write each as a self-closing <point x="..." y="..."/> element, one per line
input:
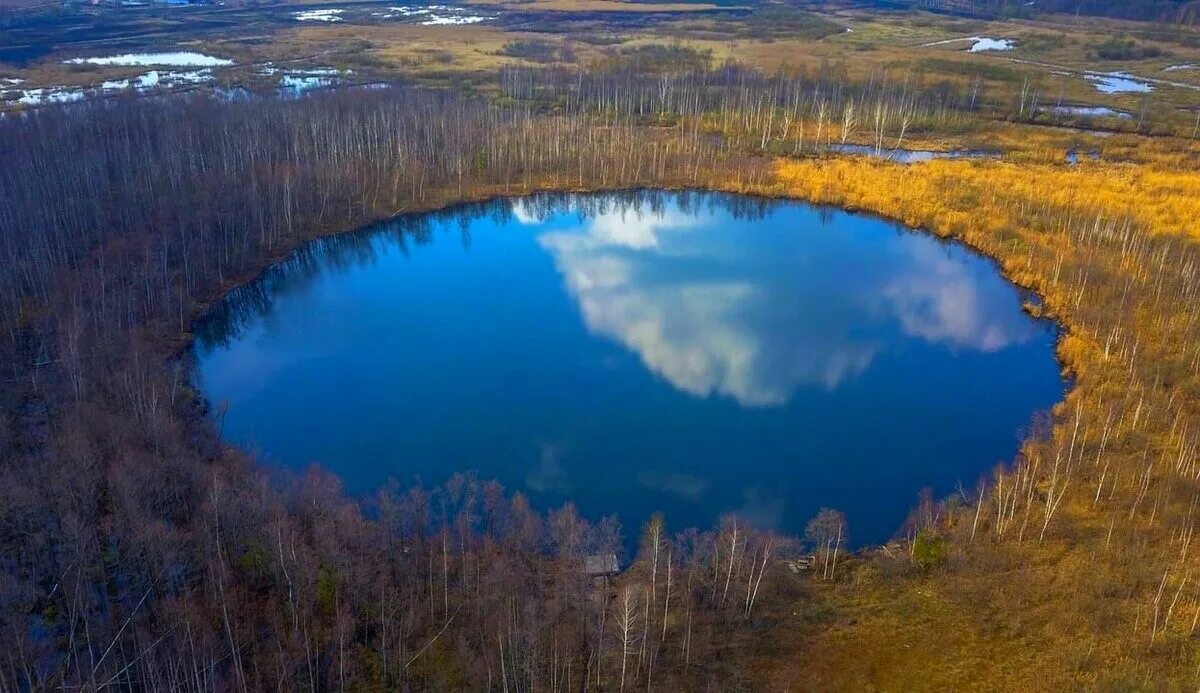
<point x="140" y="552"/>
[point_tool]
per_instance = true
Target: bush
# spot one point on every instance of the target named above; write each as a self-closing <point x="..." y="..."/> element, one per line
<point x="657" y="57"/>
<point x="1116" y="49"/>
<point x="929" y="550"/>
<point x="531" y="49"/>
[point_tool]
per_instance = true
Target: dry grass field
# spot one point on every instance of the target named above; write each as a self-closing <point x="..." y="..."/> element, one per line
<point x="1049" y="60"/>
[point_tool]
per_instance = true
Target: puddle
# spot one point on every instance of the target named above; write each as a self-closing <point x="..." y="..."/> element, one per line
<point x="232" y="94"/>
<point x="909" y="156"/>
<point x="1118" y="83"/>
<point x="1091" y="112"/>
<point x="293" y="83"/>
<point x="1073" y="156"/>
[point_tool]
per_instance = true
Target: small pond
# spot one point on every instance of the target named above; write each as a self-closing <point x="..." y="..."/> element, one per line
<point x="1091" y="112"/>
<point x="1118" y="83"/>
<point x="909" y="156"/>
<point x="690" y="353"/>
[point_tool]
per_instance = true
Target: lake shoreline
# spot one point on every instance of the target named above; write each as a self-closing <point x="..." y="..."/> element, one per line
<point x="202" y="415"/>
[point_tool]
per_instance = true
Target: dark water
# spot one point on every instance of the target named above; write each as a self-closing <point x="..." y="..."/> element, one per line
<point x="695" y="354"/>
<point x="910" y="156"/>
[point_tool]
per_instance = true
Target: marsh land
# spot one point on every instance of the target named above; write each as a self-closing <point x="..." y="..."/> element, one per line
<point x="587" y="344"/>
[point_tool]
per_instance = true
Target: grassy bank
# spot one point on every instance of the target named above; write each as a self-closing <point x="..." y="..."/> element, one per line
<point x="1073" y="567"/>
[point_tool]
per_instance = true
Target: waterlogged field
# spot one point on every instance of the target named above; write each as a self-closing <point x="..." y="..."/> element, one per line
<point x="1062" y="62"/>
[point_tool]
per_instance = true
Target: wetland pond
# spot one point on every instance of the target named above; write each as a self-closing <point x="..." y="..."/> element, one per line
<point x="691" y="353"/>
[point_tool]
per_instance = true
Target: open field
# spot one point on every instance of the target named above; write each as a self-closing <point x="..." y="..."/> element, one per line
<point x="1055" y="62"/>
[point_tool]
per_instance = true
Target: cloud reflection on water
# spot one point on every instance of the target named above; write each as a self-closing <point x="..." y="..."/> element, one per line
<point x="689" y="353"/>
<point x="756" y="321"/>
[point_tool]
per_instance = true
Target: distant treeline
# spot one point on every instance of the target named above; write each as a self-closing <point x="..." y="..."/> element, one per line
<point x="1185" y="12"/>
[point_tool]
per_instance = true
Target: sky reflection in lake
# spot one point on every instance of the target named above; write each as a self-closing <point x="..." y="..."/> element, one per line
<point x="696" y="354"/>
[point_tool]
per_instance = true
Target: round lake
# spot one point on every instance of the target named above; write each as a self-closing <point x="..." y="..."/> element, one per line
<point x="690" y="353"/>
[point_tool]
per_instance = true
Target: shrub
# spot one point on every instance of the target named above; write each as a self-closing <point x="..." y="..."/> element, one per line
<point x="929" y="550"/>
<point x="1116" y="49"/>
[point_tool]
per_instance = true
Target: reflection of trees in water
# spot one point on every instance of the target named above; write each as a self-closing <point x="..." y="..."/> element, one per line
<point x="643" y="201"/>
<point x="254" y="300"/>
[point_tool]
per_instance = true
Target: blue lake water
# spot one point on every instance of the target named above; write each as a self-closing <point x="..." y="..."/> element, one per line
<point x="690" y="353"/>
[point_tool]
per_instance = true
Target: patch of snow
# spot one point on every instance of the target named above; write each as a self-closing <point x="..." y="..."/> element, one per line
<point x="465" y="19"/>
<point x="193" y="77"/>
<point x="404" y="12"/>
<point x="1118" y="83"/>
<point x="434" y="15"/>
<point x="320" y="72"/>
<point x="979" y="44"/>
<point x="990" y="44"/>
<point x="38" y="97"/>
<point x="14" y="81"/>
<point x="268" y="69"/>
<point x="295" y="85"/>
<point x="175" y="59"/>
<point x="1177" y="68"/>
<point x="156" y="78"/>
<point x="330" y="15"/>
<point x="142" y="83"/>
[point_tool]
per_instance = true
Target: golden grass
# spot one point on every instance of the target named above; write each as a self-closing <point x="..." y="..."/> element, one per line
<point x="1073" y="610"/>
<point x="414" y="48"/>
